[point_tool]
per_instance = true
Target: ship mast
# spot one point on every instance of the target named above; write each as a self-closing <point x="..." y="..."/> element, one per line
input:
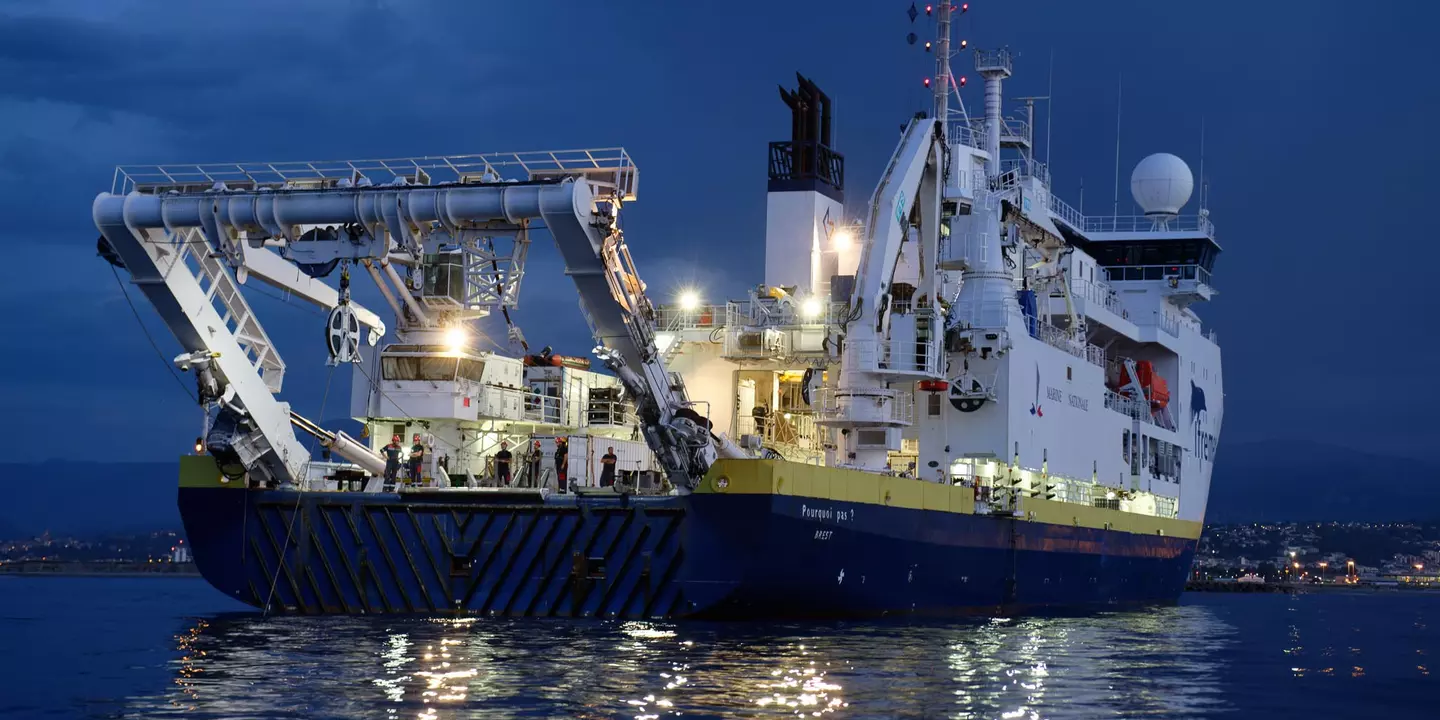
<point x="942" y="65"/>
<point x="945" y="82"/>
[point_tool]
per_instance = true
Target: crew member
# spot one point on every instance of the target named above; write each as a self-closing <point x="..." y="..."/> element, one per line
<point x="392" y="462"/>
<point x="562" y="462"/>
<point x="761" y="414"/>
<point x="502" y="465"/>
<point x="532" y="478"/>
<point x="417" y="457"/>
<point x="607" y="467"/>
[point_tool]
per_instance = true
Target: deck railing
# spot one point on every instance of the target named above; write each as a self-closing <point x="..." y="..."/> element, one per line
<point x="607" y="167"/>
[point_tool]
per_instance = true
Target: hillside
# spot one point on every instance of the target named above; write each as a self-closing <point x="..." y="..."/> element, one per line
<point x="83" y="497"/>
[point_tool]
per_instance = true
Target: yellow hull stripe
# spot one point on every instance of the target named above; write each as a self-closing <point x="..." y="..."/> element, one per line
<point x="780" y="477"/>
<point x="200" y="471"/>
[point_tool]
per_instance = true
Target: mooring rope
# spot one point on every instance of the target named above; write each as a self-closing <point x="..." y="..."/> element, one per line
<point x="295" y="511"/>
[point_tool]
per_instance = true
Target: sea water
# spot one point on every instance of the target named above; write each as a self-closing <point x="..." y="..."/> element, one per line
<point x="174" y="647"/>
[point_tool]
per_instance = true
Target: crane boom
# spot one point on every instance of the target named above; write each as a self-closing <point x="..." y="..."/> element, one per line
<point x="893" y="335"/>
<point x="156" y="233"/>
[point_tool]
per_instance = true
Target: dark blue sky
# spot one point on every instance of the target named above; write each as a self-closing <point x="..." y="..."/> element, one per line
<point x="1319" y="153"/>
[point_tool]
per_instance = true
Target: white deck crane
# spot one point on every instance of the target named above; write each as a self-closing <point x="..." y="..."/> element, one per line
<point x="186" y="235"/>
<point x="894" y="331"/>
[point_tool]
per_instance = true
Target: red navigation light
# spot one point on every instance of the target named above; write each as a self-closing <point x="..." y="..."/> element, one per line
<point x="962" y="81"/>
<point x="927" y="82"/>
<point x="929" y="9"/>
<point x="964" y="7"/>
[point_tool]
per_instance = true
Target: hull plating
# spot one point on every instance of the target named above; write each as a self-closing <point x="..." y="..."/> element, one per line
<point x="752" y="555"/>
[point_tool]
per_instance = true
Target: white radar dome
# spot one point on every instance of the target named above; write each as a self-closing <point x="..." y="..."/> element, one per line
<point x="1161" y="184"/>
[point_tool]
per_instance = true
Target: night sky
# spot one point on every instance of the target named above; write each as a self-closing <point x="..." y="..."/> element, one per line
<point x="1319" y="146"/>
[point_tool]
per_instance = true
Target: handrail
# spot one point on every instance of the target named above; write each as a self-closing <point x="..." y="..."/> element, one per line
<point x="612" y="167"/>
<point x="1098" y="292"/>
<point x="1065" y="340"/>
<point x="1069" y="215"/>
<point x="900" y="409"/>
<point x="1181" y="273"/>
<point x="1027" y="168"/>
<point x="674" y="317"/>
<point x="1127" y="406"/>
<point x="1126" y="223"/>
<point x="964" y="132"/>
<point x="1145" y="224"/>
<point x="805" y="161"/>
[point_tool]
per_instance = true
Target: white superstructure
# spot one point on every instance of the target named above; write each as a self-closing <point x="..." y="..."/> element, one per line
<point x="983" y="332"/>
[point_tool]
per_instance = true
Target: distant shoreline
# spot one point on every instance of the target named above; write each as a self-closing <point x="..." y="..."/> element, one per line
<point x="1212" y="586"/>
<point x="72" y="568"/>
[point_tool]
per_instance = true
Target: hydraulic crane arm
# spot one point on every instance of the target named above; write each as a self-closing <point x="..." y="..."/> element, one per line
<point x="621" y="319"/>
<point x="267" y="265"/>
<point x="164" y="237"/>
<point x="878" y="348"/>
<point x="916" y="160"/>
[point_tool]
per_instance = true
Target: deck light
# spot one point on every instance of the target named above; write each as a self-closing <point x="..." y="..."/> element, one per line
<point x="455" y="339"/>
<point x="811" y="307"/>
<point x="689" y="301"/>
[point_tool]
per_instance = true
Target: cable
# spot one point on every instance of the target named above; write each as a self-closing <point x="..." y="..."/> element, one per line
<point x="169" y="365"/>
<point x="295" y="511"/>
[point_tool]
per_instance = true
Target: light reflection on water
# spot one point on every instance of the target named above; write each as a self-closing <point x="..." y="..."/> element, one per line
<point x="1157" y="663"/>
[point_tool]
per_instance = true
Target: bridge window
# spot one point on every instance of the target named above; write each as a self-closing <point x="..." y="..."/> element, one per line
<point x="1153" y="253"/>
<point x="471" y="369"/>
<point x="418" y="368"/>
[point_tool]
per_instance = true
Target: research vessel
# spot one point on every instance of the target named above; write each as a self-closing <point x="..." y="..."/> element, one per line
<point x="968" y="397"/>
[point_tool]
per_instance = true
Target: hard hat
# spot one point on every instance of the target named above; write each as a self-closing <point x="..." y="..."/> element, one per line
<point x="395" y="439"/>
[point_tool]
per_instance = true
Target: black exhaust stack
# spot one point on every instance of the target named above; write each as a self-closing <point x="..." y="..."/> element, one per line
<point x="807" y="161"/>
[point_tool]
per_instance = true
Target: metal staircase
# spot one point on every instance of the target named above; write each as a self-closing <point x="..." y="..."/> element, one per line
<point x="221" y="290"/>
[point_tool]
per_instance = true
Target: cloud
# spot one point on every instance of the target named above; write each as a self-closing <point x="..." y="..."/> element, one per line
<point x="88" y="86"/>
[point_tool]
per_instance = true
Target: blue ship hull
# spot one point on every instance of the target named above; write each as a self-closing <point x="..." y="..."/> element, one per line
<point x="710" y="554"/>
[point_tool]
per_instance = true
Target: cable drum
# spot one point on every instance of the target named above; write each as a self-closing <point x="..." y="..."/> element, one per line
<point x="342" y="334"/>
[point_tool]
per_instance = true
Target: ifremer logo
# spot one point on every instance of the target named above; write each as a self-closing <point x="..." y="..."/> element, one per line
<point x="1205" y="442"/>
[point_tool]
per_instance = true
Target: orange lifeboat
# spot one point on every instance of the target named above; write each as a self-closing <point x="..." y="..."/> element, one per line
<point x="1155" y="386"/>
